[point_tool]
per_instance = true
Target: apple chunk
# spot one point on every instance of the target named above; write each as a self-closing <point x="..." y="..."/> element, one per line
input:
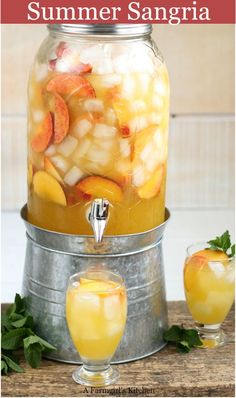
<point x="100" y="187"/>
<point x="48" y="188"/>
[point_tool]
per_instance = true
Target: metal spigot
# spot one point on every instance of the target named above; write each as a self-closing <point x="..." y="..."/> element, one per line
<point x="98" y="218"/>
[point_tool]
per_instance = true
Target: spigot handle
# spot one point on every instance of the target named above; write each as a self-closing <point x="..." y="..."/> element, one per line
<point x="98" y="218"/>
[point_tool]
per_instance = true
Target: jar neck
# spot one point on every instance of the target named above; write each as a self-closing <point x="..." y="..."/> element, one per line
<point x="102" y="31"/>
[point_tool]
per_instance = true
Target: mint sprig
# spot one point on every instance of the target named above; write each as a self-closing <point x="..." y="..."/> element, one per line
<point x="17" y="327"/>
<point x="183" y="339"/>
<point x="223" y="243"/>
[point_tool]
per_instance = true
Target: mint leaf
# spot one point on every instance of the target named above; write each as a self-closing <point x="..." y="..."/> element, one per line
<point x="183" y="346"/>
<point x="13" y="365"/>
<point x="17" y="327"/>
<point x="183" y="339"/>
<point x="191" y="337"/>
<point x="33" y="354"/>
<point x="20" y="304"/>
<point x="222" y="243"/>
<point x="26" y="321"/>
<point x="4" y="367"/>
<point x="173" y="334"/>
<point x="13" y="339"/>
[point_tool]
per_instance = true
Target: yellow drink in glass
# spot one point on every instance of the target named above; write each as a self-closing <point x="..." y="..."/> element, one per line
<point x="209" y="291"/>
<point x="96" y="309"/>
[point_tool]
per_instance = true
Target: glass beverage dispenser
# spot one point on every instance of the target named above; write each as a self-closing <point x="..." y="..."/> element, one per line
<point x="97" y="152"/>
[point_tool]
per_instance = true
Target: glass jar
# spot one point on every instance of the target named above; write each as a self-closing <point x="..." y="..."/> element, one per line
<point x="97" y="128"/>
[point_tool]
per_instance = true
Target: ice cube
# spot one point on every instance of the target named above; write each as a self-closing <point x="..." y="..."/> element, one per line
<point x="104" y="144"/>
<point x="94" y="105"/>
<point x="73" y="176"/>
<point x="110" y="116"/>
<point x="157" y="101"/>
<point x="217" y="267"/>
<point x="160" y="87"/>
<point x="60" y="163"/>
<point x="82" y="127"/>
<point x="112" y="307"/>
<point x="138" y="123"/>
<point x="38" y="115"/>
<point x="125" y="147"/>
<point x="105" y="66"/>
<point x="41" y="71"/>
<point x="110" y="80"/>
<point x="103" y="130"/>
<point x="137" y="106"/>
<point x="144" y="80"/>
<point x="51" y="150"/>
<point x="229" y="275"/>
<point x="146" y="152"/>
<point x="154" y="118"/>
<point x="138" y="178"/>
<point x="81" y="149"/>
<point x="152" y="162"/>
<point x="67" y="146"/>
<point x="92" y="55"/>
<point x="97" y="155"/>
<point x="128" y="87"/>
<point x="121" y="63"/>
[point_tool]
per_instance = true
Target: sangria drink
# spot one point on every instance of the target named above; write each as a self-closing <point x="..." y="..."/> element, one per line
<point x="96" y="310"/>
<point x="97" y="128"/>
<point x="209" y="290"/>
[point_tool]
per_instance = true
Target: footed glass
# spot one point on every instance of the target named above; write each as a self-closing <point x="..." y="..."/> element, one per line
<point x="96" y="310"/>
<point x="209" y="291"/>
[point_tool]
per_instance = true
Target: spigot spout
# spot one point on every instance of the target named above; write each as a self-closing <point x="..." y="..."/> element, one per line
<point x="98" y="218"/>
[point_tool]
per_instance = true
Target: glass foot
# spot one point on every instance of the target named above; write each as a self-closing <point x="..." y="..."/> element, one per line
<point x="94" y="376"/>
<point x="212" y="336"/>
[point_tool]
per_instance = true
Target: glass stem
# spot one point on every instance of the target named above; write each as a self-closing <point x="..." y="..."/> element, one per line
<point x="210" y="335"/>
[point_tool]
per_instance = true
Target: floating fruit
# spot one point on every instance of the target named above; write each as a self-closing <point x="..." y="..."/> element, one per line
<point x="43" y="136"/>
<point x="50" y="169"/>
<point x="69" y="84"/>
<point x="61" y="119"/>
<point x="152" y="187"/>
<point x="100" y="187"/>
<point x="48" y="188"/>
<point x="30" y="173"/>
<point x="211" y="255"/>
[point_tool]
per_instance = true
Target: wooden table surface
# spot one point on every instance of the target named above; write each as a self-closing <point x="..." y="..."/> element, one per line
<point x="164" y="374"/>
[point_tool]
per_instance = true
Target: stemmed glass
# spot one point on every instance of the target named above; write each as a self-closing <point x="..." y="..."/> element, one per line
<point x="96" y="310"/>
<point x="209" y="291"/>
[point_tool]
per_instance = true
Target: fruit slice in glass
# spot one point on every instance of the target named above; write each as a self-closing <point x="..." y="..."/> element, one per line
<point x="209" y="291"/>
<point x="96" y="309"/>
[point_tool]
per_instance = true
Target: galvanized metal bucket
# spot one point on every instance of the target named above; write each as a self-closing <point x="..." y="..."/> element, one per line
<point x="52" y="257"/>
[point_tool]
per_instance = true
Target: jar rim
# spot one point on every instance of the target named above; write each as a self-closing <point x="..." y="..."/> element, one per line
<point x="103" y="29"/>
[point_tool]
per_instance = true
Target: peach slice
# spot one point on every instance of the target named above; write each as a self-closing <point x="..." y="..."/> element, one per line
<point x="48" y="188"/>
<point x="30" y="173"/>
<point x="50" y="169"/>
<point x="69" y="84"/>
<point x="100" y="187"/>
<point x="152" y="187"/>
<point x="43" y="136"/>
<point x="211" y="255"/>
<point x="61" y="119"/>
<point x="143" y="138"/>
